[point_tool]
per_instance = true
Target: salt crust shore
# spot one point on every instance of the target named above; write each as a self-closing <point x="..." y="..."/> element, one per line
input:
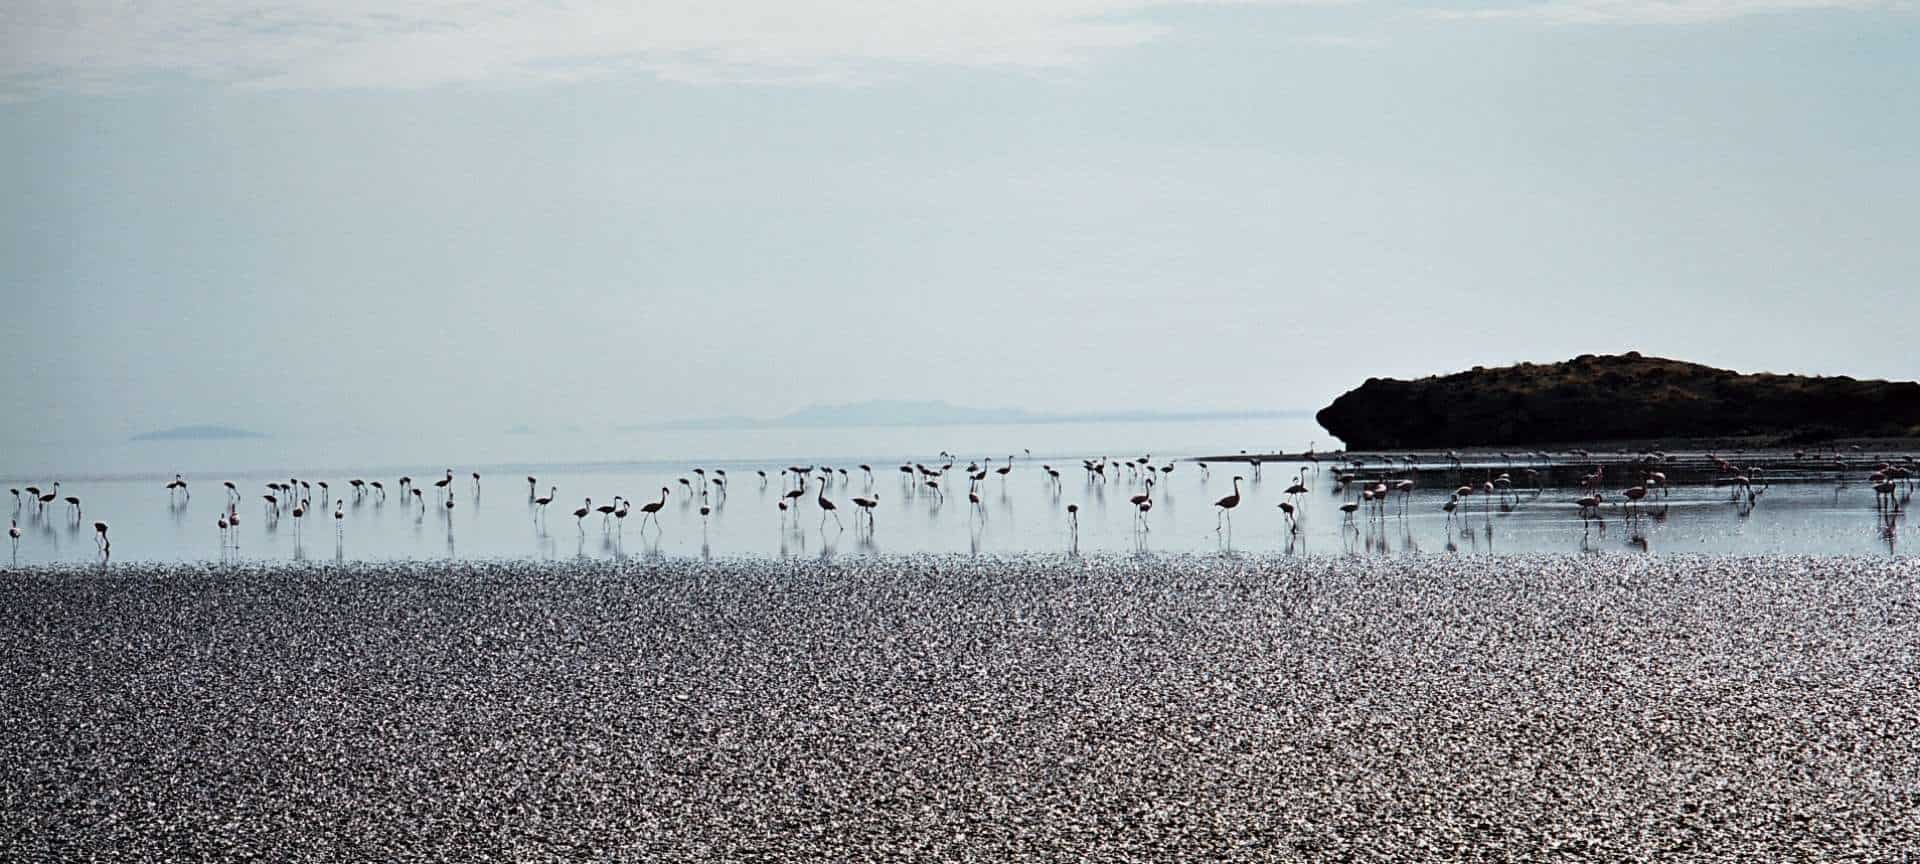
<point x="951" y="709"/>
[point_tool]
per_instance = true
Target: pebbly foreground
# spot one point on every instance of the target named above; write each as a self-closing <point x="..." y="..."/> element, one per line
<point x="942" y="709"/>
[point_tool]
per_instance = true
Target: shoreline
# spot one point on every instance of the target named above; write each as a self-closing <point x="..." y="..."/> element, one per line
<point x="1033" y="708"/>
<point x="638" y="565"/>
<point x="1604" y="448"/>
<point x="1560" y="467"/>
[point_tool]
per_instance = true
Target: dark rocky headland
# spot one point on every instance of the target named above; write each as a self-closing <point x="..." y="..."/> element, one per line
<point x="1624" y="397"/>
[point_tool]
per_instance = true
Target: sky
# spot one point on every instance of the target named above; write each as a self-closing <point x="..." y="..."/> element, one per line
<point x="284" y="216"/>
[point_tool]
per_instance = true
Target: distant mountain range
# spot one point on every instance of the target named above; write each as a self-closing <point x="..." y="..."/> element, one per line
<point x="894" y="412"/>
<point x="196" y="433"/>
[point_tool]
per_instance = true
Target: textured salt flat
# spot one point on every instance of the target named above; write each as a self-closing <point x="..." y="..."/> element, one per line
<point x="949" y="709"/>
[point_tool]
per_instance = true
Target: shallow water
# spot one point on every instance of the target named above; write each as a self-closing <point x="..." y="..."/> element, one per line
<point x="1023" y="513"/>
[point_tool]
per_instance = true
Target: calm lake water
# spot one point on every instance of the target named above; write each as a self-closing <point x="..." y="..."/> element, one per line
<point x="123" y="484"/>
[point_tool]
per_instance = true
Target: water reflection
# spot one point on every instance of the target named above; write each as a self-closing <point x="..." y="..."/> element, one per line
<point x="1134" y="509"/>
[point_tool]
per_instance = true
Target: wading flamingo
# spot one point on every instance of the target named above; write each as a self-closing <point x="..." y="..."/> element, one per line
<point x="651" y="509"/>
<point x="866" y="506"/>
<point x="1226" y="506"/>
<point x="826" y="507"/>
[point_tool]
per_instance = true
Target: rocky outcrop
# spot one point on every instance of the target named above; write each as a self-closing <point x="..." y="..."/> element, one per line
<point x="1623" y="397"/>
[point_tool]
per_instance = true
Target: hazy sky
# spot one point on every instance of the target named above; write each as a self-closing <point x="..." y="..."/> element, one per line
<point x="491" y="213"/>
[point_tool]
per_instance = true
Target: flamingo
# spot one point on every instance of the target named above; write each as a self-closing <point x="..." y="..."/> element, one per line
<point x="179" y="484"/>
<point x="543" y="502"/>
<point x="1073" y="520"/>
<point x="50" y="497"/>
<point x="705" y="511"/>
<point x="1633" y="496"/>
<point x="1453" y="502"/>
<point x="606" y="511"/>
<point x="1142" y="503"/>
<point x="1884" y="492"/>
<point x="1143" y="497"/>
<point x="582" y="514"/>
<point x="1293" y="524"/>
<point x="533" y="487"/>
<point x="1351" y="506"/>
<point x="1589" y="508"/>
<point x="1298" y="488"/>
<point x="866" y="506"/>
<point x="73" y="503"/>
<point x="651" y="509"/>
<point x="476" y="482"/>
<point x="1226" y="506"/>
<point x="339" y="517"/>
<point x="100" y="537"/>
<point x="13" y="533"/>
<point x="379" y="489"/>
<point x="444" y="482"/>
<point x="273" y="503"/>
<point x="620" y="515"/>
<point x="826" y="507"/>
<point x="1004" y="470"/>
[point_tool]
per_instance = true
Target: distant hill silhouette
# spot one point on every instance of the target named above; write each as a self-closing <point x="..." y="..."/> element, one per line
<point x="895" y="412"/>
<point x="196" y="433"/>
<point x="1616" y="397"/>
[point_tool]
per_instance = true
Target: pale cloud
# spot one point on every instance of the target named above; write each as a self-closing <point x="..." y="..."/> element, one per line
<point x="1670" y="11"/>
<point x="1341" y="40"/>
<point x="109" y="44"/>
<point x="113" y="45"/>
